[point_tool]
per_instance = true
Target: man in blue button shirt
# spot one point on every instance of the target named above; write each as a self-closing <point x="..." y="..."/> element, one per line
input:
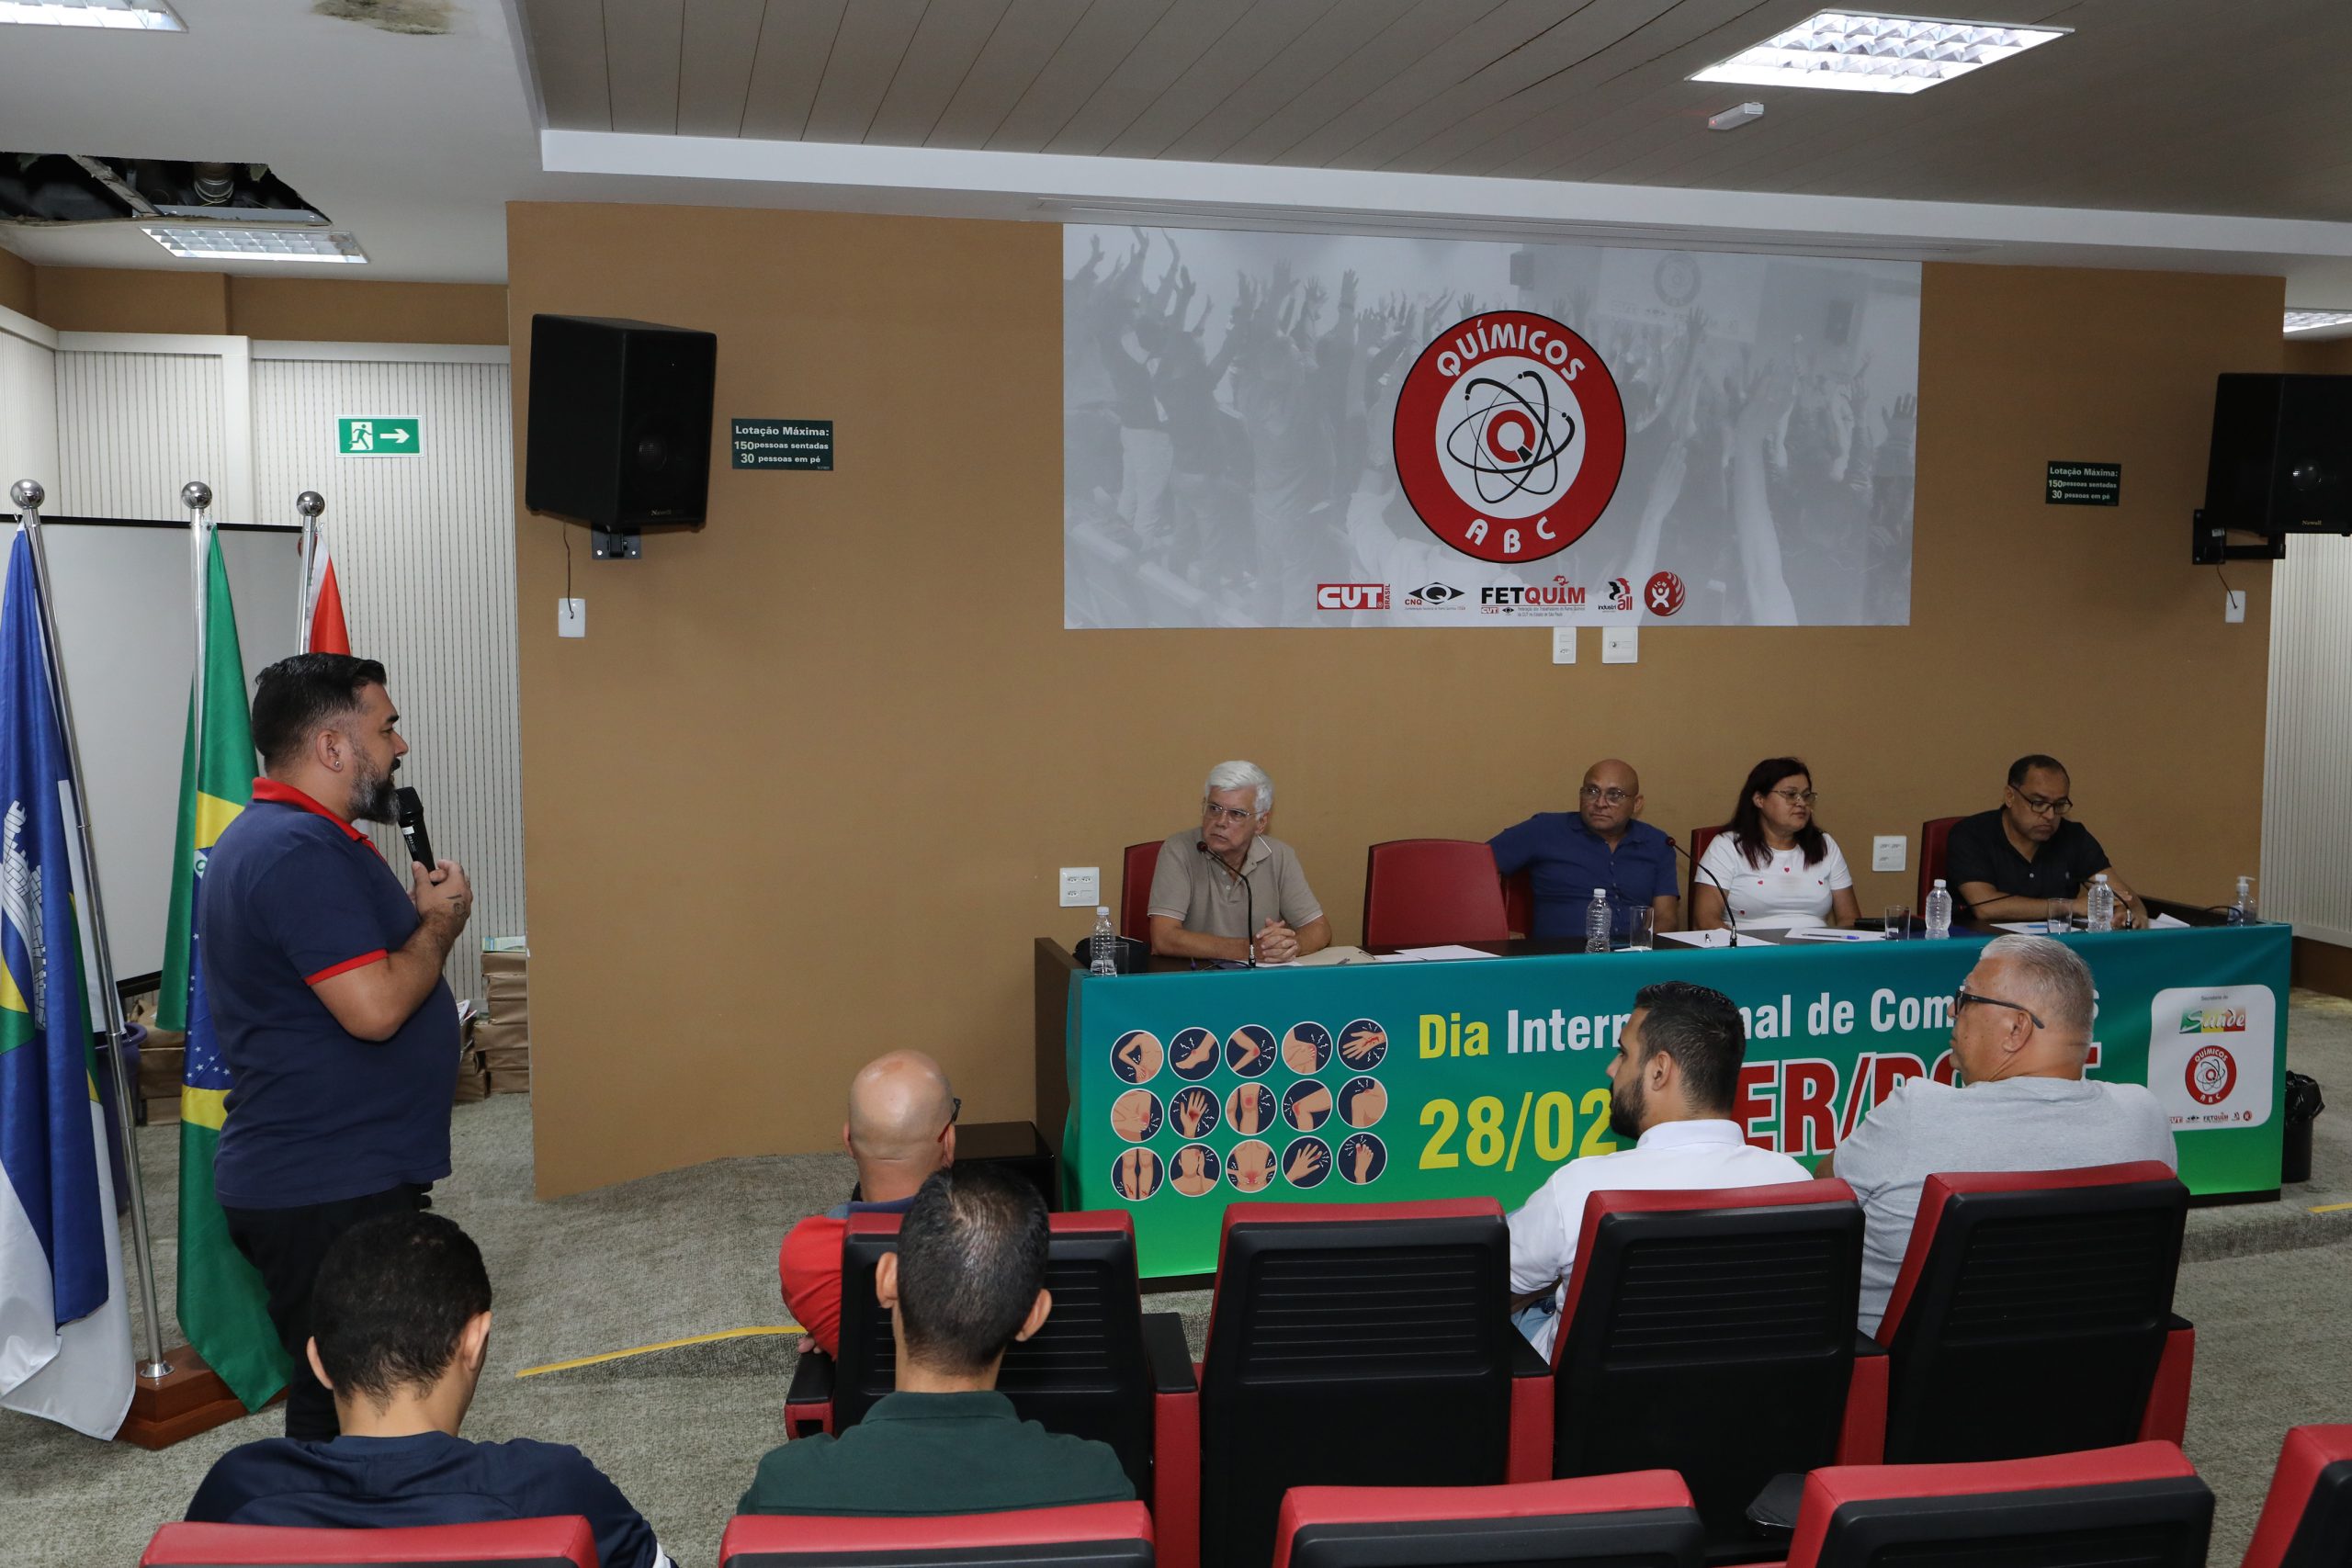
<point x="402" y="1310"/>
<point x="1603" y="843"/>
<point x="322" y="972"/>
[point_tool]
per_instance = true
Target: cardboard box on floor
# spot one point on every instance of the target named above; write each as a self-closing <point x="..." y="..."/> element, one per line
<point x="503" y="1038"/>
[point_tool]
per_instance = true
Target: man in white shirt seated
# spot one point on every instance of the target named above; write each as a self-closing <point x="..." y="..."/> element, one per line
<point x="2021" y="1037"/>
<point x="1671" y="1085"/>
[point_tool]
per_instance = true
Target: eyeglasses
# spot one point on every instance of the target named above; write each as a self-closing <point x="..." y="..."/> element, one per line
<point x="2043" y="806"/>
<point x="1235" y="815"/>
<point x="1606" y="797"/>
<point x="955" y="1109"/>
<point x="1961" y="997"/>
<point x="1796" y="796"/>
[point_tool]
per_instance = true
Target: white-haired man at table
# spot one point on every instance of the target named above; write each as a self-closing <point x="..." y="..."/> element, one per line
<point x="1230" y="890"/>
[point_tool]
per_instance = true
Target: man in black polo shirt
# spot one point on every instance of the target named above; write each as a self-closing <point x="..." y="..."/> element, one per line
<point x="967" y="1283"/>
<point x="403" y="1312"/>
<point x="325" y="980"/>
<point x="2009" y="862"/>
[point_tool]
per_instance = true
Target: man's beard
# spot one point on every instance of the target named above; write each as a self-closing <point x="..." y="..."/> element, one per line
<point x="1626" y="1102"/>
<point x="371" y="793"/>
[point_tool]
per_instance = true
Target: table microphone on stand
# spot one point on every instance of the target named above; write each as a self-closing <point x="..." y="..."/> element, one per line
<point x="1730" y="920"/>
<point x="1249" y="903"/>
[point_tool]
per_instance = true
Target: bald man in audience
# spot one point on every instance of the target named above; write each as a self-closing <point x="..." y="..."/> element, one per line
<point x="2021" y="1038"/>
<point x="902" y="1127"/>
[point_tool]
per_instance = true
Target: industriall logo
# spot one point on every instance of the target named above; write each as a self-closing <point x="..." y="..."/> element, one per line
<point x="1509" y="436"/>
<point x="1618" y="595"/>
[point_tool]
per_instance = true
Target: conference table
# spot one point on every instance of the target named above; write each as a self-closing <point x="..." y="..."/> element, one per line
<point x="1175" y="1091"/>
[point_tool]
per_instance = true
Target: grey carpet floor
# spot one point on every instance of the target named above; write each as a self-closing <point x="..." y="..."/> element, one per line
<point x="693" y="1252"/>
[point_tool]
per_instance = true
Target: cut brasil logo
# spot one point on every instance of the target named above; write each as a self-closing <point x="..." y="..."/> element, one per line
<point x="1509" y="436"/>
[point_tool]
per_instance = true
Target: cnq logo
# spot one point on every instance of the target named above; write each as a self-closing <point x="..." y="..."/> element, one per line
<point x="1351" y="596"/>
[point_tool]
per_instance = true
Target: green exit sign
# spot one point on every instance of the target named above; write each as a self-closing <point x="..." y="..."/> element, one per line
<point x="376" y="438"/>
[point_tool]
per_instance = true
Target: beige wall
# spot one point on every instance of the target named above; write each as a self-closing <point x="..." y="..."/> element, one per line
<point x="2332" y="357"/>
<point x="15" y="283"/>
<point x="122" y="299"/>
<point x="800" y="794"/>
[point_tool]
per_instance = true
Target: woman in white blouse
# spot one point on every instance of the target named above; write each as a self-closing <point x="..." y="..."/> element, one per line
<point x="1774" y="865"/>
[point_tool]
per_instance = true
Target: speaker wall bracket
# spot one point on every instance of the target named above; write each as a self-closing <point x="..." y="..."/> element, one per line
<point x="615" y="545"/>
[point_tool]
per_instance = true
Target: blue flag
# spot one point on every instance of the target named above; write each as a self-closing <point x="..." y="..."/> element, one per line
<point x="64" y="1331"/>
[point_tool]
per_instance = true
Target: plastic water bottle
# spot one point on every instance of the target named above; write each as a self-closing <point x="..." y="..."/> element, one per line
<point x="1103" y="951"/>
<point x="2101" y="915"/>
<point x="1596" y="922"/>
<point x="1938" y="911"/>
<point x="2242" y="913"/>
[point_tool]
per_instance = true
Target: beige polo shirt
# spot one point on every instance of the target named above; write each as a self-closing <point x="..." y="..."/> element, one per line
<point x="1190" y="887"/>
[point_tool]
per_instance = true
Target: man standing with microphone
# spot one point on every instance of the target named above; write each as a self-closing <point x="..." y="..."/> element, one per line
<point x="323" y="977"/>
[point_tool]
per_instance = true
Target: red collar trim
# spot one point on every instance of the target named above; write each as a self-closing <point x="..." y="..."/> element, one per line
<point x="278" y="793"/>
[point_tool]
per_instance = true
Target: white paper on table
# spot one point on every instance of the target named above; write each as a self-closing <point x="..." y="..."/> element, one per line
<point x="1439" y="955"/>
<point x="1716" y="938"/>
<point x="2169" y="923"/>
<point x="2028" y="928"/>
<point x="1831" y="933"/>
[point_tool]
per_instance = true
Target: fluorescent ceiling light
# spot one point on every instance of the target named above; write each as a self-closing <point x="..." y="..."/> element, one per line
<point x="2311" y="321"/>
<point x="256" y="244"/>
<point x="129" y="16"/>
<point x="1864" y="51"/>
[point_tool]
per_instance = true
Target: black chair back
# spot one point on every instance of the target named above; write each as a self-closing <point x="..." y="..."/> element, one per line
<point x="2036" y="1324"/>
<point x="1718" y="1342"/>
<point x="1358" y="1351"/>
<point x="2140" y="1524"/>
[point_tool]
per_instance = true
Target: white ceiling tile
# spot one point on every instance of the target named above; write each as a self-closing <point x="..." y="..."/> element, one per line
<point x="641" y="51"/>
<point x="1104" y="37"/>
<point x="866" y="52"/>
<point x="945" y="47"/>
<point x="715" y="56"/>
<point x="1185" y="32"/>
<point x="795" y="39"/>
<point x="568" y="48"/>
<point x="1020" y="46"/>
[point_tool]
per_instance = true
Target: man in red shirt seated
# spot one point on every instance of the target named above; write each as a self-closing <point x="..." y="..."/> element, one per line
<point x="902" y="1127"/>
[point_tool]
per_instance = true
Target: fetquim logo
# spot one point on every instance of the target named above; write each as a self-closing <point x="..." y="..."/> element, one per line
<point x="1509" y="436"/>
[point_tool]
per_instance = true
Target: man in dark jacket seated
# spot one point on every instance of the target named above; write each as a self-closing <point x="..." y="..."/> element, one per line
<point x="966" y="1285"/>
<point x="401" y="1325"/>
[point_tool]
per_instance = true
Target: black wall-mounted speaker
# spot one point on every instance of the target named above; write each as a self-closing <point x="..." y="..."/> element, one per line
<point x="2281" y="459"/>
<point x="620" y="430"/>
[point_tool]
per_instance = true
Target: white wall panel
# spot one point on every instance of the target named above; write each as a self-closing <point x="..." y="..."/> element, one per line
<point x="2307" y="775"/>
<point x="135" y="426"/>
<point x="424" y="549"/>
<point x="28" y="404"/>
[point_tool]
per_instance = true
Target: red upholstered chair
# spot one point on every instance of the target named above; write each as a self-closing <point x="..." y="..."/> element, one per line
<point x="1101" y="1367"/>
<point x="561" y="1542"/>
<point x="1699" y="839"/>
<point x="1425" y="892"/>
<point x="1644" y="1519"/>
<point x="1137" y="862"/>
<point x="1092" y="1535"/>
<point x="2307" y="1520"/>
<point x="1361" y="1344"/>
<point x="1712" y="1333"/>
<point x="2137" y="1506"/>
<point x="2033" y="1315"/>
<point x="1934" y="834"/>
<point x="1519" y="903"/>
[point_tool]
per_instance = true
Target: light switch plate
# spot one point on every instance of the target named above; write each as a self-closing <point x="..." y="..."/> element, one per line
<point x="1082" y="886"/>
<point x="1890" y="851"/>
<point x="2234" y="605"/>
<point x="1621" y="644"/>
<point x="572" y="617"/>
<point x="1564" y="645"/>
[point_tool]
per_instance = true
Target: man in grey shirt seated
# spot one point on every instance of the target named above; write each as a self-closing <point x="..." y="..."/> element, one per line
<point x="2020" y="1034"/>
<point x="1230" y="890"/>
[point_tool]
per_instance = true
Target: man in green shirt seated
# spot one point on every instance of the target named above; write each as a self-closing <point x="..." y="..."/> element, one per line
<point x="967" y="1284"/>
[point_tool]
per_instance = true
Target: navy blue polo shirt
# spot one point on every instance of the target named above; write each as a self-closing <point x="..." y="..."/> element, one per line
<point x="431" y="1478"/>
<point x="294" y="895"/>
<point x="1568" y="859"/>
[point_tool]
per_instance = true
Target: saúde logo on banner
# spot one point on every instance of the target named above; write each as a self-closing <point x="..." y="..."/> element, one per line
<point x="2211" y="1051"/>
<point x="1509" y="436"/>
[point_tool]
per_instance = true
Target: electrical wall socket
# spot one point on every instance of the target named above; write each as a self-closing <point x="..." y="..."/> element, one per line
<point x="1564" y="645"/>
<point x="1082" y="886"/>
<point x="1621" y="644"/>
<point x="1890" y="851"/>
<point x="572" y="617"/>
<point x="2234" y="605"/>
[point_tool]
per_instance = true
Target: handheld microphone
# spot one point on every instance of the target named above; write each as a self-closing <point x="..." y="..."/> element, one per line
<point x="1731" y="921"/>
<point x="1248" y="900"/>
<point x="410" y="810"/>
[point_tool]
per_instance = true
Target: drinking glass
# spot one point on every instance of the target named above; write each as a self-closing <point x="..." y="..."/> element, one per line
<point x="1640" y="927"/>
<point x="1898" y="922"/>
<point x="2062" y="916"/>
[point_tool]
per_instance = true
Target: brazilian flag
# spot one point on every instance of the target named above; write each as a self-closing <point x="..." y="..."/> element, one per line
<point x="221" y="1303"/>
